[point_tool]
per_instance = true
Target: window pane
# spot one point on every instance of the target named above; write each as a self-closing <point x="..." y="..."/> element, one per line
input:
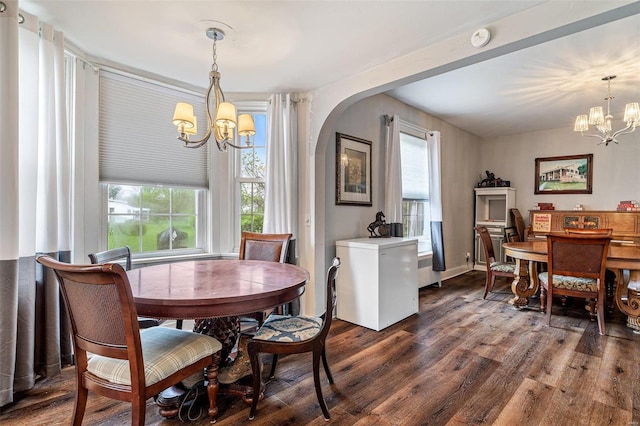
<point x="156" y="200"/>
<point x="253" y="163"/>
<point x="159" y="235"/>
<point x="183" y="201"/>
<point x="123" y="230"/>
<point x="251" y="206"/>
<point x="185" y="227"/>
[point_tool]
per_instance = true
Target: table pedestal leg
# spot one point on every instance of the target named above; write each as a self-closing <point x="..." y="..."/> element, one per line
<point x="628" y="299"/>
<point x="524" y="284"/>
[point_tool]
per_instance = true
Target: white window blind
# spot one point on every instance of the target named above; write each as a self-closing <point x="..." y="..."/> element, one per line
<point x="414" y="155"/>
<point x="138" y="139"/>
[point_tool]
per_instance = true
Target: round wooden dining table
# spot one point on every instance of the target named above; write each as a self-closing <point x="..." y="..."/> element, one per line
<point x="214" y="288"/>
<point x="623" y="258"/>
<point x="204" y="289"/>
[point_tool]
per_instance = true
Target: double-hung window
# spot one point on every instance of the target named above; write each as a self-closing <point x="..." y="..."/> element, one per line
<point x="250" y="171"/>
<point x="154" y="189"/>
<point x="414" y="157"/>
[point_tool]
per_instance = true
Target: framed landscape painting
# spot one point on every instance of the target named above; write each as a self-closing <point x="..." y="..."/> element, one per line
<point x="570" y="174"/>
<point x="353" y="171"/>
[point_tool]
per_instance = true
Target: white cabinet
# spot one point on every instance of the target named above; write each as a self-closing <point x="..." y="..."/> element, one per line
<point x="377" y="282"/>
<point x="492" y="210"/>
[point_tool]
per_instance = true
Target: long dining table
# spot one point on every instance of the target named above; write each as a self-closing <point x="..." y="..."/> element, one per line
<point x="623" y="258"/>
<point x="202" y="289"/>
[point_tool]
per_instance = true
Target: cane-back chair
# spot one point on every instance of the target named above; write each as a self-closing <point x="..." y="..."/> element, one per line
<point x="113" y="357"/>
<point x="576" y="264"/>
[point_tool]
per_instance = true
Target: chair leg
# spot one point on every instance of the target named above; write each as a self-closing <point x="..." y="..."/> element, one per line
<point x="213" y="386"/>
<point x="549" y="302"/>
<point x="316" y="380"/>
<point x="274" y="362"/>
<point x="543" y="298"/>
<point x="252" y="349"/>
<point x="138" y="411"/>
<point x="325" y="363"/>
<point x="81" y="404"/>
<point x="600" y="313"/>
<point x="488" y="286"/>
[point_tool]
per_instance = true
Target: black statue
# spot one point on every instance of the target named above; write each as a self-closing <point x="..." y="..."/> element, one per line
<point x="378" y="228"/>
<point x="492" y="181"/>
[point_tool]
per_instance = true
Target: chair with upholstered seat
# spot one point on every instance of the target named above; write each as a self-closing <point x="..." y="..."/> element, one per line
<point x="495" y="268"/>
<point x="113" y="357"/>
<point x="124" y="254"/>
<point x="281" y="334"/>
<point x="576" y="265"/>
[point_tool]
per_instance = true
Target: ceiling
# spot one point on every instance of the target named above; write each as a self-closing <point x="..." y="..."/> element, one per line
<point x="299" y="46"/>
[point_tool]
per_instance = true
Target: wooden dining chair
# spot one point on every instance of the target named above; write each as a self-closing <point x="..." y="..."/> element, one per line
<point x="269" y="247"/>
<point x="282" y="334"/>
<point x="126" y="363"/>
<point x="576" y="268"/>
<point x="124" y="254"/>
<point x="495" y="268"/>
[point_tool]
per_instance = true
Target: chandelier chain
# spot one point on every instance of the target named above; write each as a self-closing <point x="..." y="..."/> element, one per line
<point x="214" y="66"/>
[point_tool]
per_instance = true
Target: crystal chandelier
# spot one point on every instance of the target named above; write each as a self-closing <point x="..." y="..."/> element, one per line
<point x="221" y="123"/>
<point x="603" y="122"/>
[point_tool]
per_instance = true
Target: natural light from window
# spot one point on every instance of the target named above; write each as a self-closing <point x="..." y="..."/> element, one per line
<point x="414" y="157"/>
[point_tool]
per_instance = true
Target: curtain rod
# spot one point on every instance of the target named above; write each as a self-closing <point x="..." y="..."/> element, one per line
<point x="388" y="119"/>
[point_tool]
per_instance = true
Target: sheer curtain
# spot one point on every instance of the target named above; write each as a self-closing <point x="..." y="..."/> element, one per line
<point x="281" y="173"/>
<point x="35" y="193"/>
<point x="393" y="172"/>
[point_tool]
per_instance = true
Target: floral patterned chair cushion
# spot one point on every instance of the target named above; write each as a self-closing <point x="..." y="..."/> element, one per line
<point x="503" y="267"/>
<point x="571" y="283"/>
<point x="284" y="328"/>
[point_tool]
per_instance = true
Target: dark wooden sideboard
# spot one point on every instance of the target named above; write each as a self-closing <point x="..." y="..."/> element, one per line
<point x="625" y="225"/>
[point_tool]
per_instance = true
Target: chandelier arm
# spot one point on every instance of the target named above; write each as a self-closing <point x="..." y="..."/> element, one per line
<point x="200" y="142"/>
<point x="594" y="136"/>
<point x="624" y="131"/>
<point x="238" y="146"/>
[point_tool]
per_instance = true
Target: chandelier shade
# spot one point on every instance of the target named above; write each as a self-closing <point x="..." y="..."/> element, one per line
<point x="603" y="123"/>
<point x="222" y="121"/>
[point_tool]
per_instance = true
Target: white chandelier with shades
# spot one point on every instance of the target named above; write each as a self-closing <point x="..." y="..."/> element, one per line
<point x="222" y="122"/>
<point x="603" y="122"/>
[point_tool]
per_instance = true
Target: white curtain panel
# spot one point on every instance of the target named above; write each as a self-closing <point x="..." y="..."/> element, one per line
<point x="281" y="173"/>
<point x="435" y="201"/>
<point x="35" y="193"/>
<point x="393" y="173"/>
<point x="9" y="212"/>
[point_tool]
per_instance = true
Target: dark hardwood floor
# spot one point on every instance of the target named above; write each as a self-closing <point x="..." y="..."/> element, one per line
<point x="462" y="360"/>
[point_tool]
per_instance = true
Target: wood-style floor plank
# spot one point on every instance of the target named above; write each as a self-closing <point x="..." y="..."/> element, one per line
<point x="461" y="360"/>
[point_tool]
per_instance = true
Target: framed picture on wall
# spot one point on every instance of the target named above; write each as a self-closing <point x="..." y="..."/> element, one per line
<point x="569" y="174"/>
<point x="353" y="171"/>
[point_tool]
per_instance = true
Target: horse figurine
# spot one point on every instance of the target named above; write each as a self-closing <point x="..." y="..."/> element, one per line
<point x="379" y="227"/>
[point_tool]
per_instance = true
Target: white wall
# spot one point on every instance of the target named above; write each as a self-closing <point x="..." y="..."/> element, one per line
<point x="616" y="169"/>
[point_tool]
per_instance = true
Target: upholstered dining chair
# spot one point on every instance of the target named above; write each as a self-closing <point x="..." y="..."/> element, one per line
<point x="495" y="268"/>
<point x="124" y="254"/>
<point x="281" y="334"/>
<point x="576" y="268"/>
<point x="126" y="363"/>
